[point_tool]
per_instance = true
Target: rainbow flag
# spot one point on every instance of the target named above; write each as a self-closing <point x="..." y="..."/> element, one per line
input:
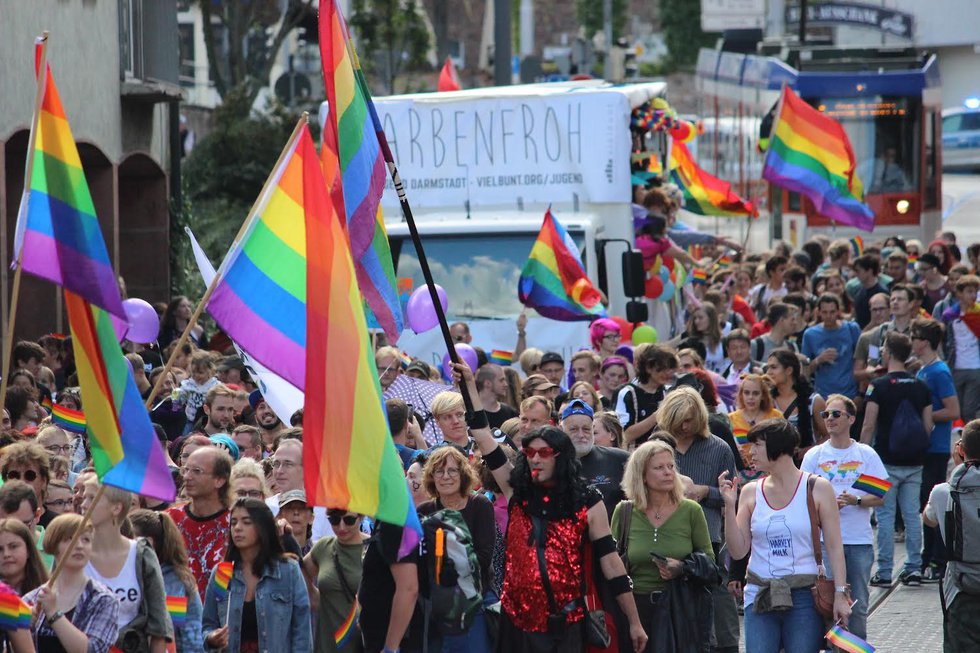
<point x="349" y="460"/>
<point x="125" y="450"/>
<point x="705" y="194"/>
<point x="58" y="236"/>
<point x="872" y="485"/>
<point x="501" y="357"/>
<point x="346" y="629"/>
<point x="222" y="578"/>
<point x="857" y="245"/>
<point x="354" y="136"/>
<point x="260" y="301"/>
<point x="405" y="359"/>
<point x="741" y="435"/>
<point x="848" y="642"/>
<point x="14" y="613"/>
<point x="699" y="275"/>
<point x="810" y="153"/>
<point x="68" y="419"/>
<point x="553" y="281"/>
<point x="177" y="607"/>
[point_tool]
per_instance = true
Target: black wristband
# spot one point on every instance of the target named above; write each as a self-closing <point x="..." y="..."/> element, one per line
<point x="495" y="459"/>
<point x="620" y="585"/>
<point x="478" y="420"/>
<point x="604" y="545"/>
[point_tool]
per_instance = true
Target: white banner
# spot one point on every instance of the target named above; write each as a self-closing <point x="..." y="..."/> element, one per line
<point x="283" y="397"/>
<point x="491" y="151"/>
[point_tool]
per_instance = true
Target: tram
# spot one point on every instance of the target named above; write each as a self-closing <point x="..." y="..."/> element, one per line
<point x="887" y="99"/>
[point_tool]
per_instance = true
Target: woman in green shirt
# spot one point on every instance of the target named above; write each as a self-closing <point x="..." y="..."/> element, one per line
<point x="664" y="528"/>
<point x="334" y="564"/>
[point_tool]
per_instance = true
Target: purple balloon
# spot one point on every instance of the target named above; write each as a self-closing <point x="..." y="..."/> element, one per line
<point x="420" y="312"/>
<point x="466" y="353"/>
<point x="144" y="323"/>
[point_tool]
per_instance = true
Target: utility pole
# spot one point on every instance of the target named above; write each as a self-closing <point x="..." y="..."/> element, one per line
<point x="802" y="21"/>
<point x="527" y="28"/>
<point x="607" y="24"/>
<point x="501" y="43"/>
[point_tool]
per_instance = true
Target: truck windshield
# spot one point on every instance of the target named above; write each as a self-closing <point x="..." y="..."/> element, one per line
<point x="478" y="272"/>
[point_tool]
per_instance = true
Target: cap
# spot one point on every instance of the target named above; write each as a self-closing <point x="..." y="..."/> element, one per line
<point x="553" y="357"/>
<point x="255" y="398"/>
<point x="929" y="259"/>
<point x="537" y="382"/>
<point x="292" y="495"/>
<point x="419" y="366"/>
<point x="577" y="407"/>
<point x="224" y="441"/>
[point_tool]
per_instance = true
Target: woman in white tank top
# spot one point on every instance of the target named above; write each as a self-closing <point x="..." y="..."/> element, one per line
<point x="773" y="523"/>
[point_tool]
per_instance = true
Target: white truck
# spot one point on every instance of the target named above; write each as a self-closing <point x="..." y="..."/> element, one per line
<point x="480" y="169"/>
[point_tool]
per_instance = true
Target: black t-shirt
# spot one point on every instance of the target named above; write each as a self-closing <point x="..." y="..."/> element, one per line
<point x="888" y="392"/>
<point x="862" y="311"/>
<point x="602" y="469"/>
<point x="497" y="419"/>
<point x="638" y="405"/>
<point x="378" y="587"/>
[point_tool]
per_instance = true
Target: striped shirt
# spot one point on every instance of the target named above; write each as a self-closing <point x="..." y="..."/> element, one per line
<point x="703" y="462"/>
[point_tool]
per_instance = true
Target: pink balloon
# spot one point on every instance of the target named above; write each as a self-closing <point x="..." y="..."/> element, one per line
<point x="466" y="353"/>
<point x="420" y="311"/>
<point x="144" y="323"/>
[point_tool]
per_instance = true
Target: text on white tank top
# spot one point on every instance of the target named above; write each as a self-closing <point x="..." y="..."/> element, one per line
<point x="781" y="540"/>
<point x="125" y="586"/>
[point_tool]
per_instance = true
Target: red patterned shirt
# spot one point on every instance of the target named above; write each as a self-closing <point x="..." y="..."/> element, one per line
<point x="205" y="539"/>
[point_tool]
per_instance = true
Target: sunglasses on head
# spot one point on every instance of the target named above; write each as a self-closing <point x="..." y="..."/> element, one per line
<point x="29" y="476"/>
<point x="543" y="452"/>
<point x="836" y="414"/>
<point x="349" y="520"/>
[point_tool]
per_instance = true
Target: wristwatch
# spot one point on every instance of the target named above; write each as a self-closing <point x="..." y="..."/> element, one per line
<point x="58" y="614"/>
<point x="858" y="502"/>
<point x="841" y="589"/>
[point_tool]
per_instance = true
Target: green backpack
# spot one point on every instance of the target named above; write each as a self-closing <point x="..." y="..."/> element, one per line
<point x="450" y="589"/>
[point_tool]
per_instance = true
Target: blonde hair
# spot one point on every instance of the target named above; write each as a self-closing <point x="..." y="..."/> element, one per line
<point x="765" y="402"/>
<point x="634" y="484"/>
<point x="530" y="360"/>
<point x="595" y="403"/>
<point x="248" y="468"/>
<point x="682" y="404"/>
<point x="389" y="352"/>
<point x="439" y="458"/>
<point x="446" y="402"/>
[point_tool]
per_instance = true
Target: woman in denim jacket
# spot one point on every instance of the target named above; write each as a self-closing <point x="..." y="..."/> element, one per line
<point x="267" y="604"/>
<point x="161" y="532"/>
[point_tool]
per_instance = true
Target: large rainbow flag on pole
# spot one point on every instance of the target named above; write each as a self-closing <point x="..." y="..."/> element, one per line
<point x="349" y="459"/>
<point x="810" y="153"/>
<point x="353" y="134"/>
<point x="58" y="236"/>
<point x="260" y="301"/>
<point x="705" y="194"/>
<point x="553" y="281"/>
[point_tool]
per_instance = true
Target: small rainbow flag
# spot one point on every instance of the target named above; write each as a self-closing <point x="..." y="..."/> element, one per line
<point x="857" y="245"/>
<point x="68" y="419"/>
<point x="343" y="634"/>
<point x="502" y="357"/>
<point x="222" y="578"/>
<point x="741" y="436"/>
<point x="848" y="642"/>
<point x="47" y="404"/>
<point x="700" y="275"/>
<point x="405" y="359"/>
<point x="872" y="485"/>
<point x="177" y="607"/>
<point x="14" y="613"/>
<point x="705" y="194"/>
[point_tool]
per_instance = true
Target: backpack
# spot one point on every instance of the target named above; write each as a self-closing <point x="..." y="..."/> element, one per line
<point x="963" y="528"/>
<point x="451" y="591"/>
<point x="907" y="437"/>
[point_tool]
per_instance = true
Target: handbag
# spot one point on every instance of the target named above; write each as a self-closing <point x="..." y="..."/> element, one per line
<point x="823" y="591"/>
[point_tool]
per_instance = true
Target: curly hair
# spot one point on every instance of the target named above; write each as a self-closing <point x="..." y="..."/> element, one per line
<point x="438" y="460"/>
<point x="570" y="491"/>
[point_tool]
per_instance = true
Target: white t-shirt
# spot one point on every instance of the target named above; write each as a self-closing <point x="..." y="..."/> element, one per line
<point x="842" y="467"/>
<point x="321" y="526"/>
<point x="967" y="351"/>
<point x="125" y="586"/>
<point x="936" y="510"/>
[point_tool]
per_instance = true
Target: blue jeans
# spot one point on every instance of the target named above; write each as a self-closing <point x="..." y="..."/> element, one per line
<point x="906" y="483"/>
<point x="477" y="638"/>
<point x="859" y="559"/>
<point x="799" y="629"/>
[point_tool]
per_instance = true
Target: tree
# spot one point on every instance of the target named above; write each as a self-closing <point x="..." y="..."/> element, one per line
<point x="392" y="36"/>
<point x="681" y="23"/>
<point x="249" y="34"/>
<point x="590" y="16"/>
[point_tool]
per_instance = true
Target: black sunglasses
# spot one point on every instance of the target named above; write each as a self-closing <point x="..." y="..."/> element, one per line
<point x="349" y="520"/>
<point x="29" y="476"/>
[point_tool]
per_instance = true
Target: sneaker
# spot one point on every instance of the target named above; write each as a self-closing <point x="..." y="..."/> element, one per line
<point x="899" y="536"/>
<point x="910" y="578"/>
<point x="879" y="581"/>
<point x="931" y="574"/>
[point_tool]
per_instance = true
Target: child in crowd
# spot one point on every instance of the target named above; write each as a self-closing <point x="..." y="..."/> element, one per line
<point x="194" y="389"/>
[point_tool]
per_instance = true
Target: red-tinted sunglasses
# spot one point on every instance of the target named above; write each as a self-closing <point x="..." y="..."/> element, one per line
<point x="543" y="452"/>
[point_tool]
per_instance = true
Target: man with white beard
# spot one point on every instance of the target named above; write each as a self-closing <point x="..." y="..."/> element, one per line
<point x="602" y="467"/>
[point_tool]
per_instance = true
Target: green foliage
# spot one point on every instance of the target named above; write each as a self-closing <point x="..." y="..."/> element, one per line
<point x="392" y="37"/>
<point x="589" y="14"/>
<point x="223" y="176"/>
<point x="681" y="22"/>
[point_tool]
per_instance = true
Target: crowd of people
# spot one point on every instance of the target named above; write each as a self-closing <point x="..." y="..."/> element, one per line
<point x="747" y="478"/>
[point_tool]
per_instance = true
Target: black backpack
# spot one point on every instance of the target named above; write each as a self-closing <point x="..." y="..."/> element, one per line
<point x="907" y="437"/>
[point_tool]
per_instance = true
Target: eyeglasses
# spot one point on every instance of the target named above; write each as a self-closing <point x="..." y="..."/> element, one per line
<point x="827" y="414"/>
<point x="285" y="464"/>
<point x="545" y="453"/>
<point x="58" y="449"/>
<point x="449" y="472"/>
<point x="194" y="471"/>
<point x="29" y="476"/>
<point x="58" y="503"/>
<point x="249" y="494"/>
<point x="349" y="520"/>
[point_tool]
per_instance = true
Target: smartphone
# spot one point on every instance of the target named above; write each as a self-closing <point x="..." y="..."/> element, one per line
<point x="658" y="558"/>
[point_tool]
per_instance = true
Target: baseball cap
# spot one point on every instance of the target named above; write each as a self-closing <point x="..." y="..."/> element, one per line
<point x="419" y="366"/>
<point x="577" y="407"/>
<point x="536" y="383"/>
<point x="291" y="495"/>
<point x="255" y="398"/>
<point x="553" y="357"/>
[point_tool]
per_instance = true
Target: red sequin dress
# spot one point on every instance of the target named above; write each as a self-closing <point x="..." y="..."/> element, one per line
<point x="524" y="599"/>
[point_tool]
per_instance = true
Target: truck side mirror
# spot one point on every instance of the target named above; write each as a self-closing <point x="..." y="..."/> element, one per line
<point x="637" y="312"/>
<point x="634" y="276"/>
